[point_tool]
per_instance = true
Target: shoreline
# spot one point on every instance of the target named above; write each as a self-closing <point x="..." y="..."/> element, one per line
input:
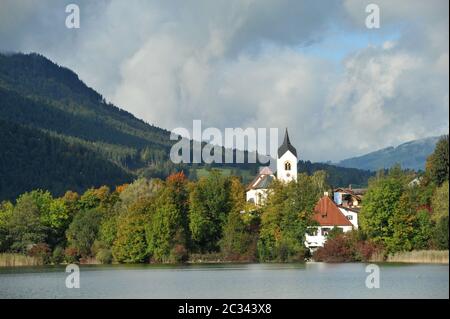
<point x="413" y="257"/>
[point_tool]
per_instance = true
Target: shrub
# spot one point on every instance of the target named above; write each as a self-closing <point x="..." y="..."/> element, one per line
<point x="58" y="255"/>
<point x="365" y="250"/>
<point x="104" y="256"/>
<point x="71" y="255"/>
<point x="337" y="249"/>
<point x="40" y="251"/>
<point x="178" y="254"/>
<point x="347" y="247"/>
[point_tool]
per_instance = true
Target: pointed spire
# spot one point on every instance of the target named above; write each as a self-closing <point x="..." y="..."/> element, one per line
<point x="286" y="146"/>
<point x="286" y="137"/>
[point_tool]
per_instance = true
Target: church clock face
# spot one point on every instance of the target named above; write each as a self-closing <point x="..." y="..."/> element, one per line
<point x="288" y="175"/>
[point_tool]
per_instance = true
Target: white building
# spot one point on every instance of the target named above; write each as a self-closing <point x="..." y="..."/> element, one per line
<point x="328" y="215"/>
<point x="286" y="171"/>
<point x="287" y="160"/>
<point x="257" y="190"/>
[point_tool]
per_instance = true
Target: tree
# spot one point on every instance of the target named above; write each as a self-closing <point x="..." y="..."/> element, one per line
<point x="439" y="202"/>
<point x="83" y="231"/>
<point x="130" y="245"/>
<point x="165" y="227"/>
<point x="239" y="234"/>
<point x="208" y="211"/>
<point x="440" y="233"/>
<point x="25" y="227"/>
<point x="395" y="214"/>
<point x="379" y="207"/>
<point x="96" y="198"/>
<point x="287" y="215"/>
<point x="437" y="165"/>
<point x="177" y="185"/>
<point x="6" y="212"/>
<point x="167" y="232"/>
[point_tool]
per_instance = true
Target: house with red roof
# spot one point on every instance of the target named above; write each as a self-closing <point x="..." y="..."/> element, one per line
<point x="329" y="215"/>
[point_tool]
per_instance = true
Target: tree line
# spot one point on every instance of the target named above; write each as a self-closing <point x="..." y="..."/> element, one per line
<point x="401" y="211"/>
<point x="154" y="220"/>
<point x="168" y="221"/>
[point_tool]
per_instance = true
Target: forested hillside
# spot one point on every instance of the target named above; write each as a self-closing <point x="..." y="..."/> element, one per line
<point x="31" y="159"/>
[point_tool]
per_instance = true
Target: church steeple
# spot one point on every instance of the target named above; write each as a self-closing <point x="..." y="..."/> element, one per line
<point x="287" y="160"/>
<point x="286" y="146"/>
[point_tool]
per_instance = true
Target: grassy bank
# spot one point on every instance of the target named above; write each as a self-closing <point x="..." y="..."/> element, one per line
<point x="420" y="256"/>
<point x="17" y="260"/>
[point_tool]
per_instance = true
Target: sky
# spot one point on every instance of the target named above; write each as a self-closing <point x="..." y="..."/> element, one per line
<point x="341" y="88"/>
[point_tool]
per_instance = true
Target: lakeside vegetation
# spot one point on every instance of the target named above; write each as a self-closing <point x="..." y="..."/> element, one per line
<point x="17" y="260"/>
<point x="420" y="256"/>
<point x="177" y="220"/>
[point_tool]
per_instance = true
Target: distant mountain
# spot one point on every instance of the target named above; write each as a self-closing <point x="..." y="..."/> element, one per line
<point x="411" y="155"/>
<point x="338" y="176"/>
<point x="56" y="133"/>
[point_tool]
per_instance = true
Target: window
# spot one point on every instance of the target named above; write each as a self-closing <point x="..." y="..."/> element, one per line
<point x="325" y="231"/>
<point x="259" y="201"/>
<point x="313" y="232"/>
<point x="287" y="166"/>
<point x="349" y="217"/>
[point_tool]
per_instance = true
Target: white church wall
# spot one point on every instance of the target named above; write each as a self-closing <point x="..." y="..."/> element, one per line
<point x="282" y="173"/>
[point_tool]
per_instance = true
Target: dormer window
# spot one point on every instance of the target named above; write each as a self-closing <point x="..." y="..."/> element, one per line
<point x="287" y="166"/>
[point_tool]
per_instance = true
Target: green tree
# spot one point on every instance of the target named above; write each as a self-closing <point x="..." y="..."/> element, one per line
<point x="437" y="165"/>
<point x="167" y="235"/>
<point x="130" y="198"/>
<point x="287" y="215"/>
<point x="379" y="207"/>
<point x="6" y="212"/>
<point x="439" y="202"/>
<point x="394" y="214"/>
<point x="130" y="245"/>
<point x="440" y="233"/>
<point x="241" y="229"/>
<point x="108" y="230"/>
<point x="208" y="211"/>
<point x="164" y="227"/>
<point x="25" y="227"/>
<point x="83" y="231"/>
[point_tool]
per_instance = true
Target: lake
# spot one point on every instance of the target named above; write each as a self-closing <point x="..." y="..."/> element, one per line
<point x="309" y="280"/>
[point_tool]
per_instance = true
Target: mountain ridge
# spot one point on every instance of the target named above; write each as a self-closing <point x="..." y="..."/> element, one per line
<point x="410" y="155"/>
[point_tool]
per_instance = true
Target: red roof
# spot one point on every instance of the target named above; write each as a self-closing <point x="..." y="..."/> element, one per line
<point x="328" y="214"/>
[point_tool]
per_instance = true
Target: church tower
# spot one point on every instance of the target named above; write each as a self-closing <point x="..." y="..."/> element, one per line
<point x="287" y="161"/>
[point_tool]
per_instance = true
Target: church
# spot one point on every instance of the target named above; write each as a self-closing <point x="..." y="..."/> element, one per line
<point x="327" y="213"/>
<point x="286" y="172"/>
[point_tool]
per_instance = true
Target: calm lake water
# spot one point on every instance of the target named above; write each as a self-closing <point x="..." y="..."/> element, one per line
<point x="310" y="280"/>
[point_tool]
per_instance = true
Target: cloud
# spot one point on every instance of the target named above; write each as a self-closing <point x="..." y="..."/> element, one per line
<point x="257" y="64"/>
